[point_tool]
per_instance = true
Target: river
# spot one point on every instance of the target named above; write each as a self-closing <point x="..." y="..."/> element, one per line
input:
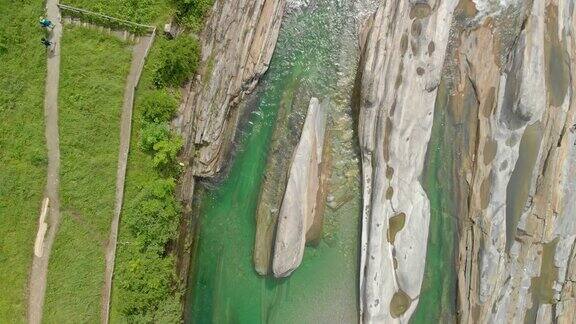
<point x="316" y="55"/>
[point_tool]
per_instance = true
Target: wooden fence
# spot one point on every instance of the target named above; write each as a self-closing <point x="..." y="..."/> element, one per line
<point x="104" y="20"/>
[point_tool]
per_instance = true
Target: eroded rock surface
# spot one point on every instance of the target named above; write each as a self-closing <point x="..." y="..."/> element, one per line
<point x="403" y="50"/>
<point x="237" y="44"/>
<point x="509" y="69"/>
<point x="303" y="199"/>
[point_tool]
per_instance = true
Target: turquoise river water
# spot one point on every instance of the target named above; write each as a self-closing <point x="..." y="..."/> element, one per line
<point x="316" y="55"/>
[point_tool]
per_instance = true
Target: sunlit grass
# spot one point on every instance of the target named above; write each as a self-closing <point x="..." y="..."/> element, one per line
<point x="93" y="71"/>
<point x="22" y="149"/>
<point x="140" y="173"/>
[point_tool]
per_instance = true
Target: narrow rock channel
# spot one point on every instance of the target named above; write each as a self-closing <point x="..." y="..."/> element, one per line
<point x="316" y="56"/>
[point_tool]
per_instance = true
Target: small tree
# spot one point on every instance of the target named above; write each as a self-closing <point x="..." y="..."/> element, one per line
<point x="159" y="106"/>
<point x="145" y="283"/>
<point x="166" y="152"/>
<point x="163" y="145"/>
<point x="153" y="133"/>
<point x="179" y="61"/>
<point x="154" y="217"/>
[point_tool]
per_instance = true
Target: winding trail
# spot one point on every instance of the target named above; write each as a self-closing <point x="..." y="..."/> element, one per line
<point x="139" y="53"/>
<point x="38" y="273"/>
<point x="51" y="203"/>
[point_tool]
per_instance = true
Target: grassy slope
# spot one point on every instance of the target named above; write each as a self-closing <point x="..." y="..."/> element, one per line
<point x="140" y="172"/>
<point x="93" y="72"/>
<point x="22" y="149"/>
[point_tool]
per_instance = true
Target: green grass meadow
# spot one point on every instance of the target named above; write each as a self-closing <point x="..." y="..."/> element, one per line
<point x="22" y="149"/>
<point x="93" y="72"/>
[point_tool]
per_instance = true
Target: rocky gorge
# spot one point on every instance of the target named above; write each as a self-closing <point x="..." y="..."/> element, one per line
<point x="486" y="83"/>
<point x="237" y="41"/>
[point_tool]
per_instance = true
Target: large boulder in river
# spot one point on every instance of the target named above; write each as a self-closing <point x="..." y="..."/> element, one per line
<point x="301" y="203"/>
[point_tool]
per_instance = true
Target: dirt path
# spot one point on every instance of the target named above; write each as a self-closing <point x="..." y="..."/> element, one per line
<point x="138" y="58"/>
<point x="37" y="280"/>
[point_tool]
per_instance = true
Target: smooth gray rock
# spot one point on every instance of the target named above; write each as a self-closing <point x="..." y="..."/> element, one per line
<point x="300" y="203"/>
<point x="403" y="48"/>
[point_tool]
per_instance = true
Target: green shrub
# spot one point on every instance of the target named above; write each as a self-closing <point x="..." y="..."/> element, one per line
<point x="155" y="215"/>
<point x="146" y="285"/>
<point x="193" y="7"/>
<point x="147" y="279"/>
<point x="159" y="106"/>
<point x="163" y="145"/>
<point x="178" y="61"/>
<point x="153" y="133"/>
<point x="166" y="152"/>
<point x="169" y="309"/>
<point x="191" y="13"/>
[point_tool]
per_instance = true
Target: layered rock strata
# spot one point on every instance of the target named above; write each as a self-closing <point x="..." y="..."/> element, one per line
<point x="508" y="69"/>
<point x="303" y="200"/>
<point x="403" y="49"/>
<point x="238" y="40"/>
<point x="514" y="66"/>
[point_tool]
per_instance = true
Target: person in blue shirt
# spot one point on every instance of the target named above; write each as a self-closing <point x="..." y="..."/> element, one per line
<point x="45" y="23"/>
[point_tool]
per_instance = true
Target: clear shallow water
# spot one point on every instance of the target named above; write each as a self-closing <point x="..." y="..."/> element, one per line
<point x="315" y="56"/>
<point x="438" y="295"/>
